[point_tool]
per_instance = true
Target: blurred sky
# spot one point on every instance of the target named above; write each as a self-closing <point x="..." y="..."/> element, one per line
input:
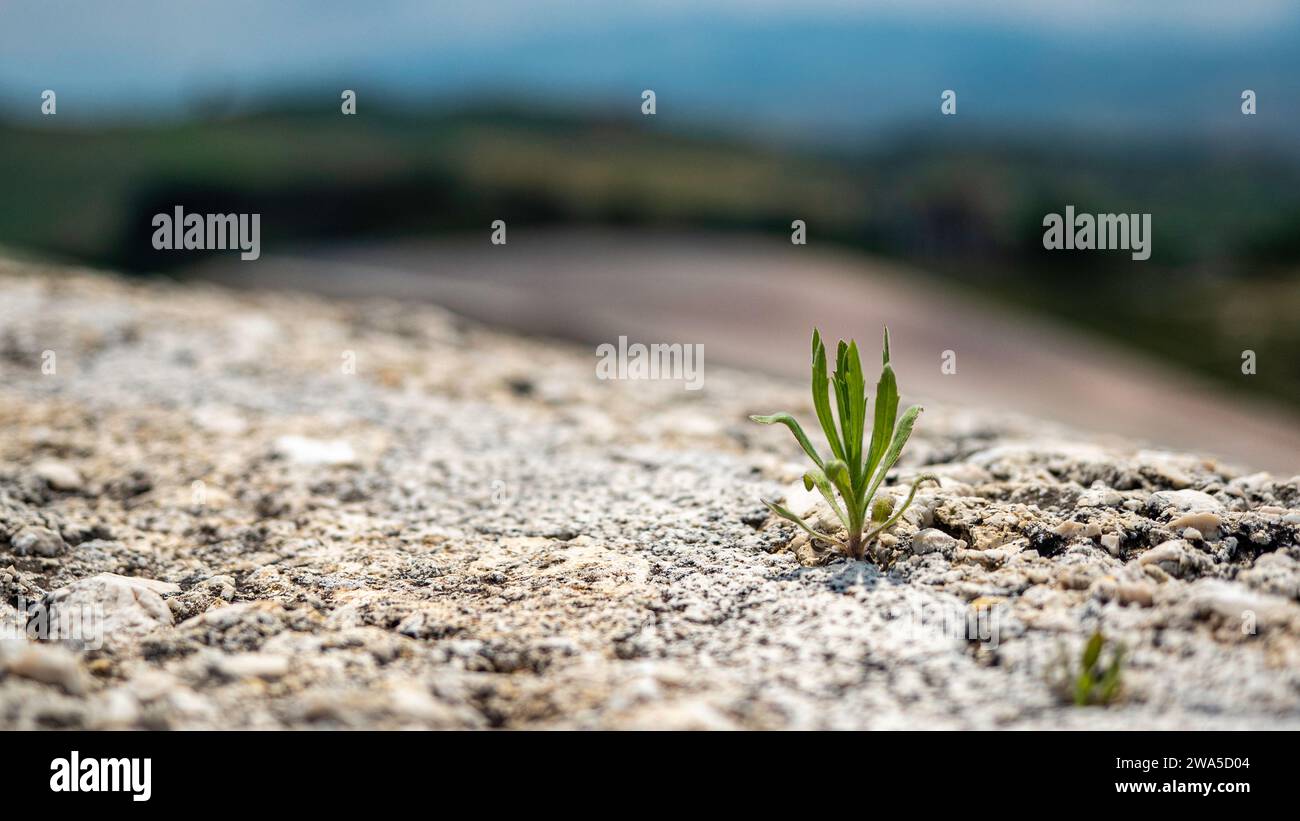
<point x="813" y="70"/>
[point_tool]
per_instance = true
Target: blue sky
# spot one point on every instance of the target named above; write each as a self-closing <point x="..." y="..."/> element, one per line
<point x="800" y="69"/>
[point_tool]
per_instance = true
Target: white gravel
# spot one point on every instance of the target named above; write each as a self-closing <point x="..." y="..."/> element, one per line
<point x="472" y="531"/>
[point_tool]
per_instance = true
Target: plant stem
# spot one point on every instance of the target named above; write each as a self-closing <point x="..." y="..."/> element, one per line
<point x="855" y="546"/>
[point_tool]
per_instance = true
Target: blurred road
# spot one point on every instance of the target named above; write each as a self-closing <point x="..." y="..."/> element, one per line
<point x="753" y="303"/>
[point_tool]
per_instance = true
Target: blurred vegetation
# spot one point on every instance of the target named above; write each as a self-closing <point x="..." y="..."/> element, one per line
<point x="1224" y="274"/>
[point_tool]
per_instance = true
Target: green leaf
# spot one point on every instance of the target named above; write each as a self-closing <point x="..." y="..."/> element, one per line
<point x="815" y="477"/>
<point x="821" y="395"/>
<point x="881" y="509"/>
<point x="786" y="514"/>
<point x="841" y="388"/>
<point x="901" y="434"/>
<point x="882" y="431"/>
<point x="1083" y="689"/>
<point x="856" y="387"/>
<point x="793" y="424"/>
<point x="1092" y="652"/>
<point x="886" y="417"/>
<point x="838" y="473"/>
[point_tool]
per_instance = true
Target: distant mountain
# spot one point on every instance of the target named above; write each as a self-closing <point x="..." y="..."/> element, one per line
<point x="826" y="81"/>
<point x="817" y="76"/>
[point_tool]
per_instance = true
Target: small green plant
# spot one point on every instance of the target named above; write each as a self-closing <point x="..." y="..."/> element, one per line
<point x="857" y="466"/>
<point x="1096" y="683"/>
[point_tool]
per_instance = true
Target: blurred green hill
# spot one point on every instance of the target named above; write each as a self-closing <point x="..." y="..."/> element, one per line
<point x="1224" y="274"/>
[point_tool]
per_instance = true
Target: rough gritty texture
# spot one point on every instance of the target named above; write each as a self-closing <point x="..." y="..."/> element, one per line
<point x="472" y="532"/>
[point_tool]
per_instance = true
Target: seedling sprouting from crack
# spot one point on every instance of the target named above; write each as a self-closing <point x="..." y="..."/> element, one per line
<point x="857" y="467"/>
<point x="1095" y="683"/>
